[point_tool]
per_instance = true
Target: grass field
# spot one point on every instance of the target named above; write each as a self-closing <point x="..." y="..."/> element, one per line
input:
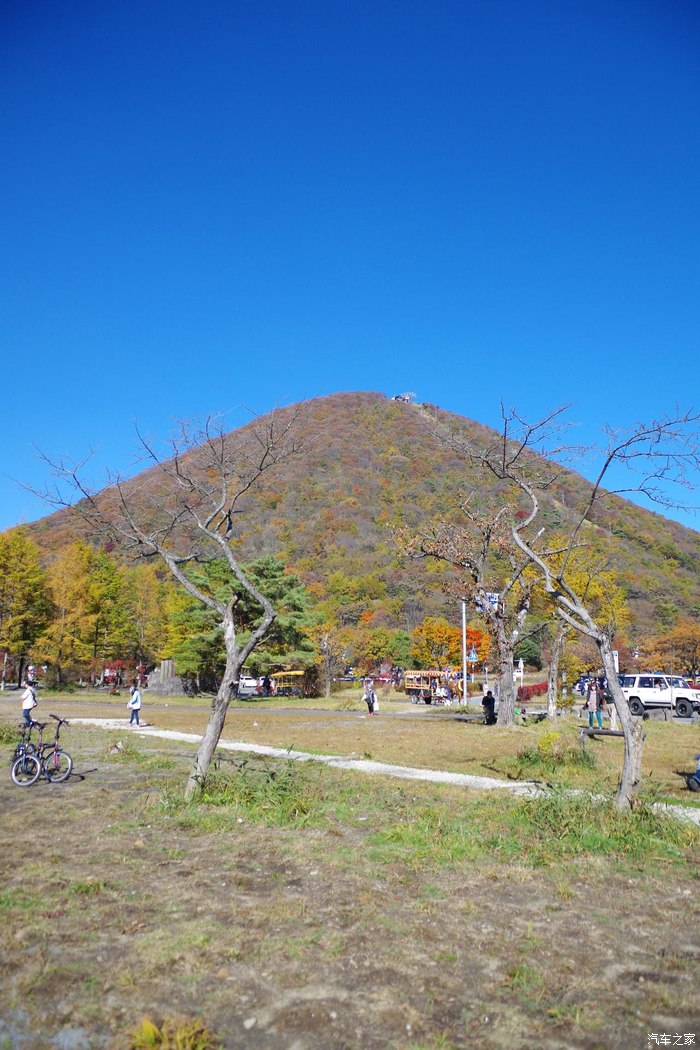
<point x="296" y="906"/>
<point x="418" y="736"/>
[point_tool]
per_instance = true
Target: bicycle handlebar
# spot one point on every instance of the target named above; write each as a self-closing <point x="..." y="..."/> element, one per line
<point x="61" y="721"/>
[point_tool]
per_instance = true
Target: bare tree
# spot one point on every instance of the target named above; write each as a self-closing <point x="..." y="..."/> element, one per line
<point x="562" y="632"/>
<point x="659" y="457"/>
<point x="186" y="509"/>
<point x="474" y="548"/>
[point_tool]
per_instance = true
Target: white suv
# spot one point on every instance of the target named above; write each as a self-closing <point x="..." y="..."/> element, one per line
<point x="652" y="690"/>
<point x="248" y="686"/>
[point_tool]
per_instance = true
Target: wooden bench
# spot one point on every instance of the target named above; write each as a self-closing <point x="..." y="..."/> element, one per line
<point x="599" y="732"/>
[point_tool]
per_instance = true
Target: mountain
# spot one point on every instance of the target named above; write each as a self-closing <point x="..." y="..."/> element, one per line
<point x="373" y="465"/>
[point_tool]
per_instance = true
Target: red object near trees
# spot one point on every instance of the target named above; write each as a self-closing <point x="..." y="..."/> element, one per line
<point x="527" y="692"/>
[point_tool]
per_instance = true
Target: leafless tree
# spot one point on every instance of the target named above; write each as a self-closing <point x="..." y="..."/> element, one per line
<point x="562" y="631"/>
<point x="187" y="508"/>
<point x="659" y="457"/>
<point x="475" y="547"/>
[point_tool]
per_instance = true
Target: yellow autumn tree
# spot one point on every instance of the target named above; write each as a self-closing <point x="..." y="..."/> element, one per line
<point x="66" y="643"/>
<point x="436" y="643"/>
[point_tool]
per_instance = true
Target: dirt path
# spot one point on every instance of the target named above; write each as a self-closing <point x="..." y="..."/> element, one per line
<point x="435" y="776"/>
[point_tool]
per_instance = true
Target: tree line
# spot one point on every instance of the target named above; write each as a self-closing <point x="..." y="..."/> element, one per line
<point x="86" y="611"/>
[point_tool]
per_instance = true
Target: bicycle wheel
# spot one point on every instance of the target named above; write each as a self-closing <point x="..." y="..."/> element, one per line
<point x="22" y="749"/>
<point x="26" y="770"/>
<point x="57" y="766"/>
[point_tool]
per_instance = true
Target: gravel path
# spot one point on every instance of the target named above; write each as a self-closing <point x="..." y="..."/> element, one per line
<point x="436" y="776"/>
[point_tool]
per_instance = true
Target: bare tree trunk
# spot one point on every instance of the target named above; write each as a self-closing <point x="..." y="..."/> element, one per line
<point x="207" y="747"/>
<point x="631" y="776"/>
<point x="506" y="685"/>
<point x="553" y="676"/>
<point x="327" y="665"/>
<point x="212" y="734"/>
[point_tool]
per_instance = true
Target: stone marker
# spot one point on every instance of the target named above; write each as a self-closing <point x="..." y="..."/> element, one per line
<point x="164" y="682"/>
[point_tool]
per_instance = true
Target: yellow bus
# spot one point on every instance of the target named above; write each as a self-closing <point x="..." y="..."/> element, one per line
<point x="288" y="683"/>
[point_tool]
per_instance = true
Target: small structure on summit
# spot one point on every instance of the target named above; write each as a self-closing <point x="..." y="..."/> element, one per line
<point x="407" y="399"/>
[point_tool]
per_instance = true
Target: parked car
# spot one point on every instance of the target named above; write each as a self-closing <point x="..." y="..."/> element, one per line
<point x="649" y="691"/>
<point x="248" y="686"/>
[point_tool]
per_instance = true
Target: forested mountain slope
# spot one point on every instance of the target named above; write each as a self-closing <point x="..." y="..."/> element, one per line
<point x="373" y="465"/>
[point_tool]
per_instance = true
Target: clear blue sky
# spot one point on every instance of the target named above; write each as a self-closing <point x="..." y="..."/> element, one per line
<point x="212" y="204"/>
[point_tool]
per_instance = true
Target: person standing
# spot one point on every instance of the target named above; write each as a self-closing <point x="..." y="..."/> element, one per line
<point x="134" y="705"/>
<point x="28" y="702"/>
<point x="594" y="704"/>
<point x="369" y="696"/>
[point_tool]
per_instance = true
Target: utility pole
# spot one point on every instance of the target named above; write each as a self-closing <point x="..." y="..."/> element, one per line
<point x="464" y="650"/>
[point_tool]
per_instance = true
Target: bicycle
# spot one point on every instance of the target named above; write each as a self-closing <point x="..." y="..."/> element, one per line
<point x="25" y="741"/>
<point x="50" y="760"/>
<point x="24" y="759"/>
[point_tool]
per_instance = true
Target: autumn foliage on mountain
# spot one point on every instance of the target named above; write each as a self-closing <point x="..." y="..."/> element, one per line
<point x="374" y="470"/>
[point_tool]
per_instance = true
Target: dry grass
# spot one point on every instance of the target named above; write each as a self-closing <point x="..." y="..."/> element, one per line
<point x="355" y="930"/>
<point x="408" y="735"/>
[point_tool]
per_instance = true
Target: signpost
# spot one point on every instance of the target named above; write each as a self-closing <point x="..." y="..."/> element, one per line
<point x="473" y="657"/>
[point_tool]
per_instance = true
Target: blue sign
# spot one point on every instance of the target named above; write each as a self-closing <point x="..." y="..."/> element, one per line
<point x="473" y="657"/>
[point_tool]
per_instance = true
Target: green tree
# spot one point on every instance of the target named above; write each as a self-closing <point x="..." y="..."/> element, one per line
<point x="194" y="632"/>
<point x="529" y="651"/>
<point x="287" y="641"/>
<point x="108" y="610"/>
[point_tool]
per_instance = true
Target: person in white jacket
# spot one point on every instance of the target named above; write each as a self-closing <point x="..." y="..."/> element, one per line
<point x="28" y="703"/>
<point x="134" y="706"/>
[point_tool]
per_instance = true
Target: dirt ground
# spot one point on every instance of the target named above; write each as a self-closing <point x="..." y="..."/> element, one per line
<point x="114" y="909"/>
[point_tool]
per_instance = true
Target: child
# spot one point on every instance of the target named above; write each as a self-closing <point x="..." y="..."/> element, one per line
<point x="28" y="703"/>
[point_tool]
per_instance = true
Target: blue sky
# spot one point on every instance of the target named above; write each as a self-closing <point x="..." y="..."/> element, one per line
<point x="220" y="204"/>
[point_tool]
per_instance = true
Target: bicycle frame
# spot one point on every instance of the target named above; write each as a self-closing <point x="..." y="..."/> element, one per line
<point x="25" y="745"/>
<point x="53" y="746"/>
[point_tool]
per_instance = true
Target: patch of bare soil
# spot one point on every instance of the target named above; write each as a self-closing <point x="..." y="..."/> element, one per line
<point x="299" y="940"/>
